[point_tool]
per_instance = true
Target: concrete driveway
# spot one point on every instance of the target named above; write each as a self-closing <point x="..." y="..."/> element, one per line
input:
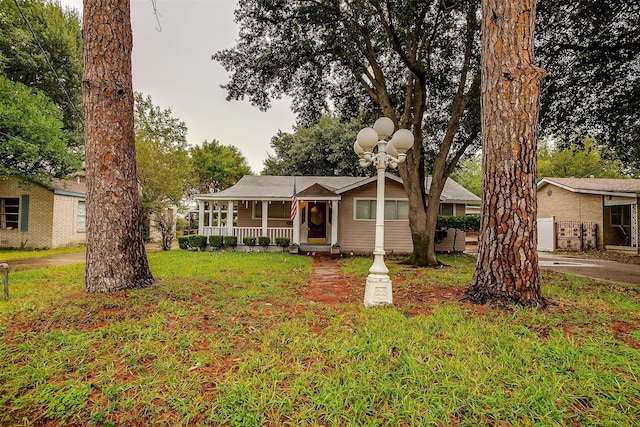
<point x="589" y="267"/>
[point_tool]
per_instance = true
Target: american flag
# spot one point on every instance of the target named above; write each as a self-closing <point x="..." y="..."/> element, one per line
<point x="294" y="202"/>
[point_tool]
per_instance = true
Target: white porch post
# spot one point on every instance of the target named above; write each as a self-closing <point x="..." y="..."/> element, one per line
<point x="230" y="218"/>
<point x="201" y="217"/>
<point x="635" y="226"/>
<point x="334" y="222"/>
<point x="296" y="225"/>
<point x="265" y="217"/>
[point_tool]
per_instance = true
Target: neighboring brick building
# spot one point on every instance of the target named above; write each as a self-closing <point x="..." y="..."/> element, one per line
<point x="611" y="204"/>
<point x="42" y="216"/>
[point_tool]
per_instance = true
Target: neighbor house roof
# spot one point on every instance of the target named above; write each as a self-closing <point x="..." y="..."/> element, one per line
<point x="252" y="187"/>
<point x="604" y="186"/>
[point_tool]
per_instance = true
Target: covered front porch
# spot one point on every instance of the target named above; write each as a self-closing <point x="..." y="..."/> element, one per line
<point x="621" y="223"/>
<point x="310" y="223"/>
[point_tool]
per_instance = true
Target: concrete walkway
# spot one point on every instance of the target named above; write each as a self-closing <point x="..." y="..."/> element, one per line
<point x="592" y="268"/>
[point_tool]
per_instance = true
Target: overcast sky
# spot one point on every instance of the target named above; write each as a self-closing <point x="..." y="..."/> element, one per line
<point x="174" y="66"/>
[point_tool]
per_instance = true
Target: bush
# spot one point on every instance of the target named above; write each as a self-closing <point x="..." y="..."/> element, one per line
<point x="283" y="242"/>
<point x="231" y="241"/>
<point x="183" y="242"/>
<point x="249" y="241"/>
<point x="264" y="241"/>
<point x="198" y="241"/>
<point x="216" y="241"/>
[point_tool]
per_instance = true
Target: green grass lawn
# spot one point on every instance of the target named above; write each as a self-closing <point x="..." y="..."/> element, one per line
<point x="228" y="339"/>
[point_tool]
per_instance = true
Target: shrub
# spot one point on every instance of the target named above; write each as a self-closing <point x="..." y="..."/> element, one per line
<point x="249" y="241"/>
<point x="283" y="242"/>
<point x="216" y="241"/>
<point x="264" y="241"/>
<point x="231" y="241"/>
<point x="183" y="242"/>
<point x="198" y="241"/>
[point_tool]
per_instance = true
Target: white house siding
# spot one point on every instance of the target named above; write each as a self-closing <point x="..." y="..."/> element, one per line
<point x="65" y="222"/>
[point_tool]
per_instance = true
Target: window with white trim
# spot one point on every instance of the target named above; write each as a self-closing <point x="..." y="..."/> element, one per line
<point x="394" y="210"/>
<point x="9" y="213"/>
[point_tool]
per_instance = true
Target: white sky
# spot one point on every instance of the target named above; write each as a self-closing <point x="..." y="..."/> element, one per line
<point x="174" y="66"/>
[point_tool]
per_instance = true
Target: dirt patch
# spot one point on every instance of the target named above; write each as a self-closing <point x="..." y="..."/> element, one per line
<point x="328" y="285"/>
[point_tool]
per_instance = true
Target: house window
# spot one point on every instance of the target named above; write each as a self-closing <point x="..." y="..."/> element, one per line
<point x="277" y="210"/>
<point x="621" y="215"/>
<point x="9" y="213"/>
<point x="81" y="217"/>
<point x="394" y="210"/>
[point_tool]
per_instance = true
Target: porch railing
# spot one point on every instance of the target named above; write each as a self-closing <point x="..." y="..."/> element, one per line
<point x="242" y="232"/>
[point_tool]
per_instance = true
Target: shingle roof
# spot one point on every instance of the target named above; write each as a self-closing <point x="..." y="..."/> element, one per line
<point x="596" y="185"/>
<point x="75" y="187"/>
<point x="252" y="187"/>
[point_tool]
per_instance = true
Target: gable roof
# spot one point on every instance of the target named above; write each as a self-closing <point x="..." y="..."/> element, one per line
<point x="603" y="186"/>
<point x="251" y="187"/>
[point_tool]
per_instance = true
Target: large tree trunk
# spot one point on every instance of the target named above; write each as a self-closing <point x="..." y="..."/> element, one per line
<point x="507" y="267"/>
<point x="116" y="257"/>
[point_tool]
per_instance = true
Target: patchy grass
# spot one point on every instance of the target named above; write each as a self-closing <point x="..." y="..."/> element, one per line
<point x="227" y="339"/>
<point x="15" y="254"/>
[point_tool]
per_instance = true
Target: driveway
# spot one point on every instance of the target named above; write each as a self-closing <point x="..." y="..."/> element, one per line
<point x="589" y="267"/>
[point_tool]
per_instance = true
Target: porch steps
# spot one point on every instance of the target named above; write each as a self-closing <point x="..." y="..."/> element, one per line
<point x="315" y="248"/>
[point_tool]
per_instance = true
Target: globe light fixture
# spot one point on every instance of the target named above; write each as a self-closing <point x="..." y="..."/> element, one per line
<point x="378" y="289"/>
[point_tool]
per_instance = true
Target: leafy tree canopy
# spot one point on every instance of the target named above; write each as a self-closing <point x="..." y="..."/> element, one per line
<point x="591" y="52"/>
<point x="469" y="174"/>
<point x="162" y="156"/>
<point x="41" y="47"/>
<point x="32" y="143"/>
<point x="579" y="161"/>
<point x="323" y="149"/>
<point x="217" y="166"/>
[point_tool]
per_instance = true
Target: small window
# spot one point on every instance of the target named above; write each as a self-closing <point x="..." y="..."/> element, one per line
<point x="9" y="213"/>
<point x="365" y="209"/>
<point x="81" y="219"/>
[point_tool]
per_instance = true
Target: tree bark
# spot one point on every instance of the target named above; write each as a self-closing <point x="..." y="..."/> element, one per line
<point x="116" y="256"/>
<point x="507" y="267"/>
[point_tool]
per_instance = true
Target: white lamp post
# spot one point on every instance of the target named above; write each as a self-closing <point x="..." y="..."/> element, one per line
<point x="390" y="154"/>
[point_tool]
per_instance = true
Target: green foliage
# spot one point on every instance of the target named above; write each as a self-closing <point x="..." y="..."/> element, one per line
<point x="459" y="222"/>
<point x="591" y="54"/>
<point x="216" y="241"/>
<point x="249" y="241"/>
<point x="579" y="161"/>
<point x="264" y="241"/>
<point x="183" y="242"/>
<point x="198" y="241"/>
<point x="469" y="174"/>
<point x="22" y="60"/>
<point x="322" y="149"/>
<point x="217" y="167"/>
<point x="32" y="142"/>
<point x="231" y="241"/>
<point x="283" y="242"/>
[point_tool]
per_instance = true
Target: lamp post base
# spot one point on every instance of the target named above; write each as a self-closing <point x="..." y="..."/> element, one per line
<point x="378" y="290"/>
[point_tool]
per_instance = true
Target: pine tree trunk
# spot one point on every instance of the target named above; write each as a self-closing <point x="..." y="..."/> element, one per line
<point x="507" y="267"/>
<point x="116" y="256"/>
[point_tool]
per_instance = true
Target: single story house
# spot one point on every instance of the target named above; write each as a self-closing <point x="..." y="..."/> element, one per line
<point x="42" y="215"/>
<point x="610" y="205"/>
<point x="329" y="210"/>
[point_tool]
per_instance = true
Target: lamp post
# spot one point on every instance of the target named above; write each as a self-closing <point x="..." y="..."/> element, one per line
<point x="389" y="154"/>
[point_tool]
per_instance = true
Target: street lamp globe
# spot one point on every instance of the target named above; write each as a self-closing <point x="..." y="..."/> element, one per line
<point x="367" y="139"/>
<point x="384" y="127"/>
